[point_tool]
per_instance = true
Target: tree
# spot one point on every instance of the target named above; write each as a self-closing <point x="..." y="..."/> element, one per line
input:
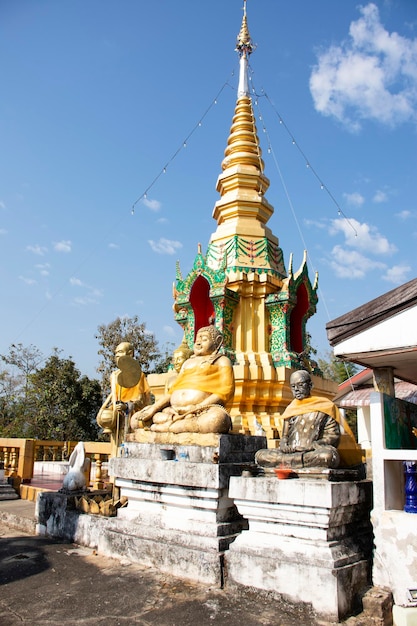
<point x="339" y="371"/>
<point x="12" y="419"/>
<point x="129" y="329"/>
<point x="15" y="402"/>
<point x="336" y="369"/>
<point x="165" y="359"/>
<point x="65" y="403"/>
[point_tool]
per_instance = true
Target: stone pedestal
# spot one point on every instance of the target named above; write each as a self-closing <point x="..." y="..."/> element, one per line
<point x="179" y="517"/>
<point x="308" y="540"/>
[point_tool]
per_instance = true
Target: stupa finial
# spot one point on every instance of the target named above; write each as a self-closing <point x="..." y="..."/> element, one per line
<point x="244" y="44"/>
<point x="244" y="47"/>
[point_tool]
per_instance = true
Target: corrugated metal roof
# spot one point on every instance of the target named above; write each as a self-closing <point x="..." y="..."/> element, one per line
<point x="360" y="397"/>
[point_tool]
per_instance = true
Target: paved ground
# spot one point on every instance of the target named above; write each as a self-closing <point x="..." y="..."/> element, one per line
<point x="46" y="582"/>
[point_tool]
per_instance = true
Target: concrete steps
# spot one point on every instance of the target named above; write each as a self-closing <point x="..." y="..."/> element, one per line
<point x="7" y="492"/>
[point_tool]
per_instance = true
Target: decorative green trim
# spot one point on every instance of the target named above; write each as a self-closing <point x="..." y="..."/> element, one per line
<point x="247" y="255"/>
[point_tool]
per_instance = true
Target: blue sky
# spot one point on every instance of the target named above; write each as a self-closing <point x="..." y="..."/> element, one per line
<point x="98" y="97"/>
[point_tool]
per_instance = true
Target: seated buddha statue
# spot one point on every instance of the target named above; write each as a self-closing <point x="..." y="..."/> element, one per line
<point x="196" y="400"/>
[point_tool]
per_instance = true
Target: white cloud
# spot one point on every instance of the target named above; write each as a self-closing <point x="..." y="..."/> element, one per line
<point x="168" y="330"/>
<point x="84" y="301"/>
<point x="354" y="199"/>
<point x="380" y="196"/>
<point x="62" y="246"/>
<point x="153" y="205"/>
<point x="403" y="215"/>
<point x="162" y="220"/>
<point x="28" y="281"/>
<point x="92" y="296"/>
<point x="3" y="231"/>
<point x="37" y="249"/>
<point x="76" y="282"/>
<point x="43" y="268"/>
<point x="397" y="274"/>
<point x="113" y="246"/>
<point x="2" y="205"/>
<point x="316" y="223"/>
<point x="362" y="236"/>
<point x="165" y="246"/>
<point x="352" y="264"/>
<point x="371" y="75"/>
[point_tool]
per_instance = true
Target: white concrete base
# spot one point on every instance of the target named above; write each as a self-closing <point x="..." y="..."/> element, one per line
<point x="179" y="517"/>
<point x="404" y="616"/>
<point x="308" y="540"/>
<point x="395" y="559"/>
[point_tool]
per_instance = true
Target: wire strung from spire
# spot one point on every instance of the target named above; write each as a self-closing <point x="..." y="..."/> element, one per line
<point x="183" y="145"/>
<point x="322" y="186"/>
<point x="309" y="166"/>
<point x="291" y="205"/>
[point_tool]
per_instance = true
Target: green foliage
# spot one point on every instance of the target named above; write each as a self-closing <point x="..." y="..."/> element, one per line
<point x="145" y="346"/>
<point x="15" y="402"/>
<point x="339" y="371"/>
<point x="49" y="402"/>
<point x="66" y="403"/>
<point x="336" y="369"/>
<point x="165" y="359"/>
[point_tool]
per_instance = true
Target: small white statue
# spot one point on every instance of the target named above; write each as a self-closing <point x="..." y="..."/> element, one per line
<point x="78" y="464"/>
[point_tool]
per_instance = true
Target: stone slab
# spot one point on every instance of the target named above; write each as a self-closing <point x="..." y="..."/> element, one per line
<point x="316" y="473"/>
<point x="193" y="556"/>
<point x="210" y="448"/>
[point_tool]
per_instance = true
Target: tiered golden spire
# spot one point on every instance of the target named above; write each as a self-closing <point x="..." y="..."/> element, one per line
<point x="244" y="43"/>
<point x="242" y="209"/>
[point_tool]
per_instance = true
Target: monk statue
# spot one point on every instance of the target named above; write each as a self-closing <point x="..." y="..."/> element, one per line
<point x="310" y="432"/>
<point x="180" y="354"/>
<point x="196" y="400"/>
<point x="129" y="393"/>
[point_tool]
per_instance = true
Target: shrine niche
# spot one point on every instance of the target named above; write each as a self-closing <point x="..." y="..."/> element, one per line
<point x="289" y="311"/>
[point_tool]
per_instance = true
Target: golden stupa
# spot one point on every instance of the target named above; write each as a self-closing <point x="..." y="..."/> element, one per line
<point x="241" y="284"/>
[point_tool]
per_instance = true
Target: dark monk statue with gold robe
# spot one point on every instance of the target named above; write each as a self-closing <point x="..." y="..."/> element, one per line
<point x="196" y="400"/>
<point x="310" y="433"/>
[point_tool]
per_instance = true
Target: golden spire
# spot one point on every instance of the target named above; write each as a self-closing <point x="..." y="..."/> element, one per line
<point x="242" y="184"/>
<point x="242" y="212"/>
<point x="244" y="43"/>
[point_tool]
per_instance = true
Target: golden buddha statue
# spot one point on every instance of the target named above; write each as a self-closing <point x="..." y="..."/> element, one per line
<point x="196" y="400"/>
<point x="129" y="393"/>
<point x="179" y="356"/>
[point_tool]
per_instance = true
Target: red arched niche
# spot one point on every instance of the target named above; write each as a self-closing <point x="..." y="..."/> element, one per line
<point x="201" y="303"/>
<point x="296" y="319"/>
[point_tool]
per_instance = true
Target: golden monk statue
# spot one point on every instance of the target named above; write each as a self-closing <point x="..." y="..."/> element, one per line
<point x="179" y="356"/>
<point x="198" y="396"/>
<point x="129" y="393"/>
<point x="311" y="430"/>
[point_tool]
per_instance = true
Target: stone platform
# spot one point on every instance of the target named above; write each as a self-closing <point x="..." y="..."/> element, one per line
<point x="179" y="517"/>
<point x="308" y="540"/>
